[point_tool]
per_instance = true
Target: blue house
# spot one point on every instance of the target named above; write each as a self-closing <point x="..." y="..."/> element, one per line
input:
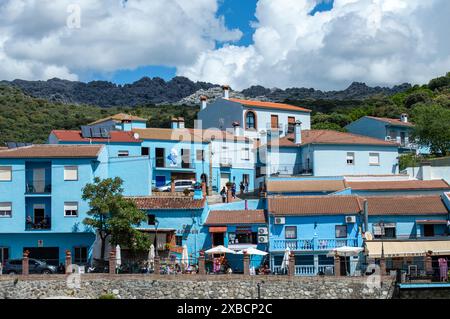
<point x="238" y="226"/>
<point x="41" y="209"/>
<point x="386" y="129"/>
<point x="311" y="227"/>
<point x="175" y="222"/>
<point x="327" y="153"/>
<point x="407" y="228"/>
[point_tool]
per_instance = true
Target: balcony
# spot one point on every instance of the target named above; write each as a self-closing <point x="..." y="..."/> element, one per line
<point x="308" y="270"/>
<point x="38" y="223"/>
<point x="38" y="188"/>
<point x="315" y="244"/>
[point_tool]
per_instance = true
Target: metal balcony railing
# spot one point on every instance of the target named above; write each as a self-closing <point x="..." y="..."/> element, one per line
<point x="316" y="244"/>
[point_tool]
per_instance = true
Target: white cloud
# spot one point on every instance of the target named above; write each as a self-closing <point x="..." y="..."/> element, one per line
<point x="35" y="42"/>
<point x="380" y="42"/>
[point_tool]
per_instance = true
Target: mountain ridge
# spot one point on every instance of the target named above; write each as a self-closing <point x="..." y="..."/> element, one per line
<point x="179" y="90"/>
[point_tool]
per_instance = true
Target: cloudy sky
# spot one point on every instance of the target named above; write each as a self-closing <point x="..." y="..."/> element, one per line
<point x="323" y="44"/>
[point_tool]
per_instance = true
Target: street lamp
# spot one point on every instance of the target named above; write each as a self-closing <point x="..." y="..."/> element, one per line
<point x="156" y="237"/>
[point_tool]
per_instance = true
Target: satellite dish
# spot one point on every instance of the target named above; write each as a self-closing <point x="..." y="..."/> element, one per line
<point x="136" y="136"/>
<point x="369" y="235"/>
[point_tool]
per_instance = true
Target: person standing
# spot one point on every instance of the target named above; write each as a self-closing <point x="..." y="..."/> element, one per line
<point x="233" y="190"/>
<point x="242" y="187"/>
<point x="223" y="194"/>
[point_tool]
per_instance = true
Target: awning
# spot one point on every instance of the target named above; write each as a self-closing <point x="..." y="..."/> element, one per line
<point x="432" y="222"/>
<point x="411" y="248"/>
<point x="221" y="229"/>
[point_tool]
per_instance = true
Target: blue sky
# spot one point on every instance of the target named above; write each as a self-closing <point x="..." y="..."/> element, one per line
<point x="238" y="14"/>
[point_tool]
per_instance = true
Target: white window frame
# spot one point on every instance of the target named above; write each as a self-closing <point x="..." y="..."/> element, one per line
<point x="3" y="210"/>
<point x="123" y="153"/>
<point x="350" y="155"/>
<point x="7" y="170"/>
<point x="373" y="155"/>
<point x="71" y="210"/>
<point x="67" y="169"/>
<point x="245" y="153"/>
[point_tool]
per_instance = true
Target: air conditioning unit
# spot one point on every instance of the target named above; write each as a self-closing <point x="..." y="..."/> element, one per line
<point x="263" y="231"/>
<point x="280" y="220"/>
<point x="350" y="219"/>
<point x="263" y="239"/>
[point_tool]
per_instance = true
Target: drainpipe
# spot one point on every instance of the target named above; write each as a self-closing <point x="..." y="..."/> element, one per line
<point x="366" y="216"/>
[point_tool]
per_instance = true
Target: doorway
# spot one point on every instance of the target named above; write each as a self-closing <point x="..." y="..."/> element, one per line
<point x="38" y="213"/>
<point x="224" y="179"/>
<point x="217" y="239"/>
<point x="428" y="230"/>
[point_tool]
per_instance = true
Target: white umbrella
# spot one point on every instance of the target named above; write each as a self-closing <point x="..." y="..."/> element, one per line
<point x="185" y="256"/>
<point x="118" y="256"/>
<point x="220" y="250"/>
<point x="285" y="263"/>
<point x="252" y="251"/>
<point x="345" y="251"/>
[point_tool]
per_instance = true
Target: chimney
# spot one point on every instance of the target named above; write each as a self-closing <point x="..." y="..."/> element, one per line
<point x="298" y="132"/>
<point x="203" y="100"/>
<point x="236" y="129"/>
<point x="181" y="122"/>
<point x="174" y="122"/>
<point x="226" y="91"/>
<point x="404" y="118"/>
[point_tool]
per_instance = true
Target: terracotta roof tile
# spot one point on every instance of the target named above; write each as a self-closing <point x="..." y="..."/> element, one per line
<point x="406" y="205"/>
<point x="270" y="105"/>
<point x="120" y="117"/>
<point x="75" y="136"/>
<point x="314" y="205"/>
<point x="399" y="185"/>
<point x="303" y="186"/>
<point x="228" y="217"/>
<point x="52" y="151"/>
<point x="396" y="122"/>
<point x="332" y="137"/>
<point x="186" y="134"/>
<point x="154" y="202"/>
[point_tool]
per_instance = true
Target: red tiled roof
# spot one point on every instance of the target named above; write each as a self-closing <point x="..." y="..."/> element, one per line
<point x="396" y="122"/>
<point x="314" y="205"/>
<point x="399" y="185"/>
<point x="186" y="134"/>
<point x="154" y="202"/>
<point x="75" y="136"/>
<point x="302" y="186"/>
<point x="52" y="151"/>
<point x="119" y="118"/>
<point x="228" y="217"/>
<point x="332" y="137"/>
<point x="406" y="205"/>
<point x="270" y="105"/>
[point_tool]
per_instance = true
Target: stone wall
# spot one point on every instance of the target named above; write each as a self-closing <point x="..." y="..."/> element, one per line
<point x="191" y="286"/>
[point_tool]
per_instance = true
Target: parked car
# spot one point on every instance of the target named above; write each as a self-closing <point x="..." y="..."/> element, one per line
<point x="14" y="266"/>
<point x="180" y="185"/>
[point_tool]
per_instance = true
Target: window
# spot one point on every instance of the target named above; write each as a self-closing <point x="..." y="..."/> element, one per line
<point x="145" y="151"/>
<point x="374" y="159"/>
<point x="290" y="232"/>
<point x="274" y="121"/>
<point x="71" y="209"/>
<point x="151" y="220"/>
<point x="246" y="154"/>
<point x="6" y="209"/>
<point x="341" y="231"/>
<point x="291" y="124"/>
<point x="350" y="158"/>
<point x="200" y="155"/>
<point x="70" y="173"/>
<point x="250" y="120"/>
<point x="179" y="240"/>
<point x="4" y="254"/>
<point x="5" y="173"/>
<point x="185" y="158"/>
<point x="428" y="230"/>
<point x="242" y="236"/>
<point x="122" y="153"/>
<point x="384" y="230"/>
<point x="80" y="256"/>
<point x="159" y="157"/>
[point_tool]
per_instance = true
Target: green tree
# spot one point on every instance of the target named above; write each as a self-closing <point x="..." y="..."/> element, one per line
<point x="432" y="127"/>
<point x="440" y="82"/>
<point x="114" y="216"/>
